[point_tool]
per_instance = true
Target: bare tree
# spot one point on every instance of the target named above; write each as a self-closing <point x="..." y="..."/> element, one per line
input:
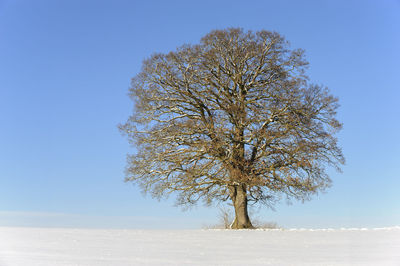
<point x="233" y="117"/>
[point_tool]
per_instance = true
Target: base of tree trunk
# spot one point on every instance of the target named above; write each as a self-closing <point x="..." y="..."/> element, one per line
<point x="236" y="225"/>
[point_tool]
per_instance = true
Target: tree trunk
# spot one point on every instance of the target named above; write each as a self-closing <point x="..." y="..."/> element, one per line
<point x="239" y="200"/>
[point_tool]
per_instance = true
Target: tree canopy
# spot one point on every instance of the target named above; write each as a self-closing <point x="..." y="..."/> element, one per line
<point x="233" y="117"/>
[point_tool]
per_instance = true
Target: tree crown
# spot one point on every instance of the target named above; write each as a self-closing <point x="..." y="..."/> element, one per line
<point x="237" y="108"/>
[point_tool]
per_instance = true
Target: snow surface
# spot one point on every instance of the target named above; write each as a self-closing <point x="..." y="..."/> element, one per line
<point x="51" y="246"/>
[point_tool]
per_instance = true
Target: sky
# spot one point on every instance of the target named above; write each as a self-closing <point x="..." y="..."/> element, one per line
<point x="65" y="70"/>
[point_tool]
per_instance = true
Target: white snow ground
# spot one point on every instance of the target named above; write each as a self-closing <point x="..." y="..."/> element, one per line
<point x="53" y="247"/>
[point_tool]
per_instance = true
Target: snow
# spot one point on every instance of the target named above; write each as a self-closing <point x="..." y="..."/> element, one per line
<point x="53" y="246"/>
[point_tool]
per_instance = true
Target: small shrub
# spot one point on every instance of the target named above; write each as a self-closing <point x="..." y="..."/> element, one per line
<point x="265" y="225"/>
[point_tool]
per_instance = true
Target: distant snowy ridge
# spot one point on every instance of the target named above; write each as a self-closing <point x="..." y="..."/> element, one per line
<point x="317" y="229"/>
<point x="346" y="229"/>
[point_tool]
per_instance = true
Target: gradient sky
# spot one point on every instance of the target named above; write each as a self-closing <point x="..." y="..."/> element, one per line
<point x="65" y="70"/>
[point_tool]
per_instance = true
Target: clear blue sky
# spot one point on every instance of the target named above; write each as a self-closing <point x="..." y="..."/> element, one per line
<point x="65" y="69"/>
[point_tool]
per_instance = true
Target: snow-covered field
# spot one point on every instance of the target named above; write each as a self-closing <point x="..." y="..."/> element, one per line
<point x="53" y="247"/>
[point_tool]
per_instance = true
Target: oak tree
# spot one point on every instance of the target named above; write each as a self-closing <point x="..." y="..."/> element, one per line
<point x="231" y="118"/>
